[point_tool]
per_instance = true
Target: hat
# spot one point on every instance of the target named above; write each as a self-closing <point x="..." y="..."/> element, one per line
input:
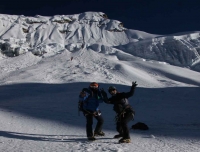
<point x="94" y="85"/>
<point x="111" y="88"/>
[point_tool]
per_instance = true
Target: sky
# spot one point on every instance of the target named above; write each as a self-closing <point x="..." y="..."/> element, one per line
<point x="152" y="16"/>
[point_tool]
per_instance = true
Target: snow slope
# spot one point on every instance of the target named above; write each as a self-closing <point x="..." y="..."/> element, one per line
<point x="43" y="71"/>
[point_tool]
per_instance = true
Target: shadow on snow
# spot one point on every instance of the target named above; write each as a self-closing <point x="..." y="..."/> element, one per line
<point x="167" y="111"/>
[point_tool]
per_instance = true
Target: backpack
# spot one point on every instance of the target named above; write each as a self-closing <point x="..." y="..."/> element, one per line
<point x="140" y="125"/>
<point x="80" y="103"/>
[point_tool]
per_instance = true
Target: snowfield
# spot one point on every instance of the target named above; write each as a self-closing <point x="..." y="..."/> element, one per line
<point x="46" y="61"/>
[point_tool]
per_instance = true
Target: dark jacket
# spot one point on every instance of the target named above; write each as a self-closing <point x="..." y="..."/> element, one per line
<point x="91" y="100"/>
<point x="120" y="101"/>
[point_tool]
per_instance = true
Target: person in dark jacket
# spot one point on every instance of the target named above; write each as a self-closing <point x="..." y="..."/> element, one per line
<point x="89" y="100"/>
<point x="123" y="109"/>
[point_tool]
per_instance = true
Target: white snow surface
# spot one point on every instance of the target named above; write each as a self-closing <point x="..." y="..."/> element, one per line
<point x="46" y="61"/>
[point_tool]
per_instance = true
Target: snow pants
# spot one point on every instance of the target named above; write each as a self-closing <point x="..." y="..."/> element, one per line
<point x="122" y="124"/>
<point x="89" y="123"/>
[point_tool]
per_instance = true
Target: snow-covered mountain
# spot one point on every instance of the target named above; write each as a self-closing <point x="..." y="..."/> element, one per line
<point x="97" y="45"/>
<point x="93" y="30"/>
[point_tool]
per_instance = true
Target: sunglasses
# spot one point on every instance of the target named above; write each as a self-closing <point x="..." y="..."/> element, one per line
<point x="94" y="87"/>
<point x="112" y="90"/>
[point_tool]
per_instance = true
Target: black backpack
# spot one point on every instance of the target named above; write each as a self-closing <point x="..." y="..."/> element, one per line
<point x="140" y="126"/>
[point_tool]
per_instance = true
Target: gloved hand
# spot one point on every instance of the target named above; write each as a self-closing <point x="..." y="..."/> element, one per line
<point x="82" y="94"/>
<point x="96" y="113"/>
<point x="134" y="84"/>
<point x="104" y="94"/>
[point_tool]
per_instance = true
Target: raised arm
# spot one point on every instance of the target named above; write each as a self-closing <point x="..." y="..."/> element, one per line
<point x="131" y="92"/>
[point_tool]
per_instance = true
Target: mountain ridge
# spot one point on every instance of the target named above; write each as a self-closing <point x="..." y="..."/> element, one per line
<point x="51" y="34"/>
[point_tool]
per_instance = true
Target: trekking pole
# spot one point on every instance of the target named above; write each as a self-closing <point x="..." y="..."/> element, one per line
<point x="78" y="110"/>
